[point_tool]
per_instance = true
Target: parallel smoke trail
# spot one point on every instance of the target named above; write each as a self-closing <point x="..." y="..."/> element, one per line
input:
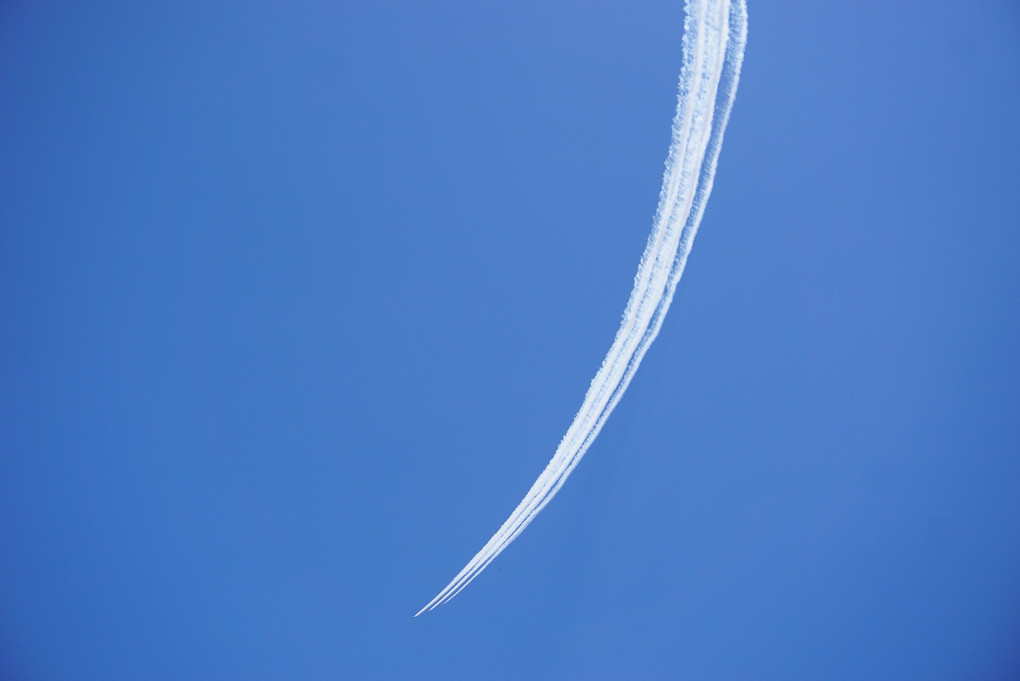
<point x="715" y="32"/>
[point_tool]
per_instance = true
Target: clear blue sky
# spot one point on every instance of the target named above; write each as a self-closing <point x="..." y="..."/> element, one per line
<point x="296" y="300"/>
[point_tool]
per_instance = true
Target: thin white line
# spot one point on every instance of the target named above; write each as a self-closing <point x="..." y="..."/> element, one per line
<point x="714" y="37"/>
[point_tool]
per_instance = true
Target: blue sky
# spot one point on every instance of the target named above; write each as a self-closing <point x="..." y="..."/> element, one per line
<point x="298" y="299"/>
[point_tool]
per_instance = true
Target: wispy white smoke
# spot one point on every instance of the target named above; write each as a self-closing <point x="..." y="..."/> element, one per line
<point x="713" y="48"/>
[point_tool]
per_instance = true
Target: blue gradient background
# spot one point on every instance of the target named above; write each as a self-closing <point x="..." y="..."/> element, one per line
<point x="296" y="300"/>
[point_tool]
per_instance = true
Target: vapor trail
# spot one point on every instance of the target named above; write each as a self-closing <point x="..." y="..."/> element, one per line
<point x="713" y="48"/>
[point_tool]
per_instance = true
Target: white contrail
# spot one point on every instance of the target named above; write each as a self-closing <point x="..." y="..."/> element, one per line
<point x="713" y="48"/>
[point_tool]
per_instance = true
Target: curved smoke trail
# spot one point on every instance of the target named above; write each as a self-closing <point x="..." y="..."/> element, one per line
<point x="713" y="48"/>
